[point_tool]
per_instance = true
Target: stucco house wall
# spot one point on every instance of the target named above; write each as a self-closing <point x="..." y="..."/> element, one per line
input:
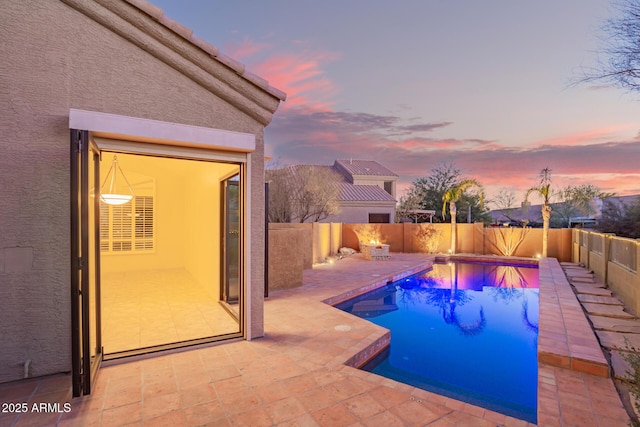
<point x="354" y="213"/>
<point x="107" y="56"/>
<point x="379" y="181"/>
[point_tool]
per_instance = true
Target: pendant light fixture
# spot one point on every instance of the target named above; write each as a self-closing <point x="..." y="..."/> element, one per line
<point x="111" y="195"/>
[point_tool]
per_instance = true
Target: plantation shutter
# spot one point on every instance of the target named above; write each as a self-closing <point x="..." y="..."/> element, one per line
<point x="128" y="227"/>
<point x="144" y="223"/>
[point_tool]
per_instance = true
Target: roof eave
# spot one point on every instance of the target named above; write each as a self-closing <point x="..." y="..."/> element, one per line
<point x="145" y="26"/>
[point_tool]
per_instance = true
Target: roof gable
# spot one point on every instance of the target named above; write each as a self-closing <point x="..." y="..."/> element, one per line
<point x="145" y="25"/>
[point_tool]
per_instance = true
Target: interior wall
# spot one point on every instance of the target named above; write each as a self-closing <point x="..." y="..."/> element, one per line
<point x="186" y="219"/>
<point x="169" y="199"/>
<point x="185" y="261"/>
<point x="202" y="203"/>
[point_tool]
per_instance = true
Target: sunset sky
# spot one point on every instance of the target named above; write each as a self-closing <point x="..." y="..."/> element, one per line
<point x="485" y="85"/>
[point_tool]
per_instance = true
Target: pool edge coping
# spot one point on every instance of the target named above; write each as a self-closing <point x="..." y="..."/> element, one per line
<point x="566" y="338"/>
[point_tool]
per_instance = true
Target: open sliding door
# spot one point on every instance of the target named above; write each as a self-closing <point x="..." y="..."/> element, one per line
<point x="231" y="248"/>
<point x="85" y="262"/>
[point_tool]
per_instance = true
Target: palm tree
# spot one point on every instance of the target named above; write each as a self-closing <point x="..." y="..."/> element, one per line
<point x="544" y="190"/>
<point x="451" y="196"/>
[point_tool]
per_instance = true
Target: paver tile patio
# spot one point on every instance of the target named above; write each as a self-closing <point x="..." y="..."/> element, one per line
<point x="296" y="375"/>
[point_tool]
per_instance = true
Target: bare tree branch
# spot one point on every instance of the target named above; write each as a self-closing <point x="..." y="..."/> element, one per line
<point x="302" y="193"/>
<point x="621" y="49"/>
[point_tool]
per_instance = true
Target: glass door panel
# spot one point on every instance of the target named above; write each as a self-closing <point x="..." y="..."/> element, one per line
<point x="93" y="299"/>
<point x="231" y="240"/>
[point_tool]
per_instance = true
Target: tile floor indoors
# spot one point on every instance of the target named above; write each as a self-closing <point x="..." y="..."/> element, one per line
<point x="296" y="376"/>
<point x="147" y="308"/>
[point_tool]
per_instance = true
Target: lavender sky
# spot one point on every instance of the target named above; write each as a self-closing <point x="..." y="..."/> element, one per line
<point x="485" y="85"/>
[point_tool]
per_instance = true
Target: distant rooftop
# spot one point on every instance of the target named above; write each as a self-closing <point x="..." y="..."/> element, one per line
<point x="364" y="167"/>
<point x="349" y="192"/>
<point x="368" y="193"/>
<point x="534" y="212"/>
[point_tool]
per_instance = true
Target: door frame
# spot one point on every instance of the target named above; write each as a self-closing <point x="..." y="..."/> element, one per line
<point x="141" y="149"/>
<point x="157" y="138"/>
<point x="85" y="364"/>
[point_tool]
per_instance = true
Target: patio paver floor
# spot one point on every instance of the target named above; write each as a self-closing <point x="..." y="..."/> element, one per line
<point x="296" y="375"/>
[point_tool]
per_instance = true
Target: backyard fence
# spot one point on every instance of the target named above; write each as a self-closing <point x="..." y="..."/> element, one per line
<point x="296" y="247"/>
<point x="614" y="260"/>
<point x="470" y="239"/>
<point x="321" y="240"/>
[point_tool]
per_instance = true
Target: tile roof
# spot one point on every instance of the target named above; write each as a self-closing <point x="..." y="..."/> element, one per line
<point x="361" y="193"/>
<point x="531" y="213"/>
<point x="364" y="167"/>
<point x="626" y="199"/>
<point x="158" y="15"/>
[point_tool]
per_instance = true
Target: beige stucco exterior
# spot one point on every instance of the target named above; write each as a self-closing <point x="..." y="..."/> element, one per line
<point x="108" y="56"/>
<point x="357" y="212"/>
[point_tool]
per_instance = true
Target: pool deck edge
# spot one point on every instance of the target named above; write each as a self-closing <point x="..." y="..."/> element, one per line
<point x="566" y="338"/>
<point x="567" y="351"/>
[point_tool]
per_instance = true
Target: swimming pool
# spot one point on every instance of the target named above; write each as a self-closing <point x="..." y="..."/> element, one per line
<point x="465" y="330"/>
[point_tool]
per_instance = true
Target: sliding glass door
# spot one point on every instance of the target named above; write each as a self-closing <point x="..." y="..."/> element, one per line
<point x="231" y="248"/>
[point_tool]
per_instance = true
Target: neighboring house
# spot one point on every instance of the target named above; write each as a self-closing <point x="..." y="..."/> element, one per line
<point x="512" y="216"/>
<point x="180" y="262"/>
<point x="623" y="200"/>
<point x="532" y="214"/>
<point x="367" y="194"/>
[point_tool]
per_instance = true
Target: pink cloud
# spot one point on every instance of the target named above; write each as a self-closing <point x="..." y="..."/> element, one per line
<point x="301" y="77"/>
<point x="245" y="49"/>
<point x="330" y="137"/>
<point x="303" y="135"/>
<point x="308" y="129"/>
<point x="299" y="71"/>
<point x="585" y="137"/>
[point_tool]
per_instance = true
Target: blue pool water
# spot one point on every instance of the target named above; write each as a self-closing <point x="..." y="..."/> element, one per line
<point x="465" y="330"/>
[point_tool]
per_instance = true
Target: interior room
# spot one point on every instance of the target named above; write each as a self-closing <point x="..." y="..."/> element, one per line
<point x="163" y="274"/>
